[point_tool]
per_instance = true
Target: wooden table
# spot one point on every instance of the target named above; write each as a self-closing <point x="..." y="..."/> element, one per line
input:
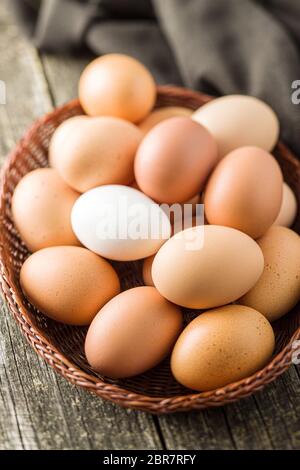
<point x="41" y="410"/>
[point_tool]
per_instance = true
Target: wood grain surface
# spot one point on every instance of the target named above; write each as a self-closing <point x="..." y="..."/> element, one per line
<point x="38" y="408"/>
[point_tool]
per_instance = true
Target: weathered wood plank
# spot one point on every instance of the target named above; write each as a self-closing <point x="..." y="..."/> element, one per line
<point x="20" y="69"/>
<point x="41" y="410"/>
<point x="62" y="73"/>
<point x="271" y="419"/>
<point x="38" y="408"/>
<point x="268" y="420"/>
<point x="279" y="405"/>
<point x="196" y="430"/>
<point x="25" y="84"/>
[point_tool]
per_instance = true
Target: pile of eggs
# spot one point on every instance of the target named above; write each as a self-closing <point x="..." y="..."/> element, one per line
<point x="246" y="273"/>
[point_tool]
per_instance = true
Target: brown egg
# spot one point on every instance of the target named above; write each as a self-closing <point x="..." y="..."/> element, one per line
<point x="288" y="209"/>
<point x="132" y="333"/>
<point x="117" y="85"/>
<point x="207" y="266"/>
<point x="161" y="114"/>
<point x="90" y="152"/>
<point x="41" y="207"/>
<point x="147" y="266"/>
<point x="186" y="214"/>
<point x="193" y="201"/>
<point x="184" y="224"/>
<point x="222" y="346"/>
<point x="180" y="212"/>
<point x="277" y="291"/>
<point x="239" y="120"/>
<point x="245" y="191"/>
<point x="174" y="160"/>
<point x="134" y="185"/>
<point x="68" y="284"/>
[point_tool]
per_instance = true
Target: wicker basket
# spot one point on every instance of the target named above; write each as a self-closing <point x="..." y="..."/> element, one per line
<point x="62" y="346"/>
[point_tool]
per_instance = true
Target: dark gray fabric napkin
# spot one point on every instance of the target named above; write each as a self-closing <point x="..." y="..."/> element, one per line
<point x="219" y="46"/>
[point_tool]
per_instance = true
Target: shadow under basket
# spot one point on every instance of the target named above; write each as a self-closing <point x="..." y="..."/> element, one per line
<point x="61" y="346"/>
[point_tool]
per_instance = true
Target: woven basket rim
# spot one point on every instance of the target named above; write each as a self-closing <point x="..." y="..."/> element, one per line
<point x="112" y="392"/>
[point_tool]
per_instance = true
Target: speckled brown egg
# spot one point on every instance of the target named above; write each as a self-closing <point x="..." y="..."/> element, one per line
<point x="41" y="207"/>
<point x="222" y="346"/>
<point x="68" y="284"/>
<point x="89" y="152"/>
<point x="174" y="160"/>
<point x="117" y="85"/>
<point x="245" y="191"/>
<point x="132" y="333"/>
<point x="277" y="291"/>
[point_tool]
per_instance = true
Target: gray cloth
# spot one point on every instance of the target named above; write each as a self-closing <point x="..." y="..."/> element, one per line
<point x="216" y="46"/>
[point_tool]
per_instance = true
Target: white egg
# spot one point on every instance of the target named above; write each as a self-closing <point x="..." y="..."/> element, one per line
<point x="119" y="223"/>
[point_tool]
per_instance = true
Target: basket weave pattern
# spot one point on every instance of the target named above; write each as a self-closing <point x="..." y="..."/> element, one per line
<point x="62" y="346"/>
